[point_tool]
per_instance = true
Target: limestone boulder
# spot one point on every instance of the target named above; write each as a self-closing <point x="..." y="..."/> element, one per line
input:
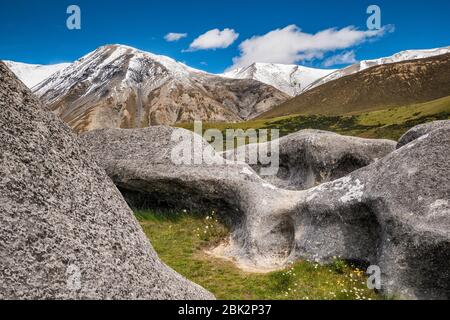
<point x="308" y="158"/>
<point x="422" y="130"/>
<point x="394" y="214"/>
<point x="65" y="230"/>
<point x="144" y="164"/>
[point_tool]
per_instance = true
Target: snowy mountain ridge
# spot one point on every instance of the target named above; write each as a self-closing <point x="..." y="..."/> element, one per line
<point x="118" y="86"/>
<point x="33" y="74"/>
<point x="291" y="79"/>
<point x="365" y="64"/>
<point x="104" y="63"/>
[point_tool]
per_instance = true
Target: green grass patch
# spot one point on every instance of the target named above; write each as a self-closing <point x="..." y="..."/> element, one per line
<point x="180" y="239"/>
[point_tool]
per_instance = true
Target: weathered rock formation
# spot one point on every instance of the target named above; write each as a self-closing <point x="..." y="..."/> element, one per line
<point x="141" y="163"/>
<point x="311" y="157"/>
<point x="65" y="230"/>
<point x="393" y="213"/>
<point x="421" y="130"/>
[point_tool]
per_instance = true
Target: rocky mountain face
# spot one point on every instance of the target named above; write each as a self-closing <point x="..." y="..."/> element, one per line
<point x="33" y="74"/>
<point x="121" y="87"/>
<point x="65" y="230"/>
<point x="365" y="64"/>
<point x="291" y="79"/>
<point x="376" y="88"/>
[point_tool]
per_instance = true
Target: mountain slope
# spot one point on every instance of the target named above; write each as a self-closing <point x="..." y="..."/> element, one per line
<point x="121" y="87"/>
<point x="376" y="88"/>
<point x="33" y="74"/>
<point x="365" y="64"/>
<point x="291" y="79"/>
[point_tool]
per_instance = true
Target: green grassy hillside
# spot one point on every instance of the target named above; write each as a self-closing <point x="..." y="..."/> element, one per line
<point x="390" y="123"/>
<point x="377" y="88"/>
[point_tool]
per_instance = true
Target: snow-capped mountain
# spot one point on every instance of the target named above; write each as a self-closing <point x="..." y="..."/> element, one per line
<point x="291" y="79"/>
<point x="365" y="64"/>
<point x="33" y="74"/>
<point x="120" y="86"/>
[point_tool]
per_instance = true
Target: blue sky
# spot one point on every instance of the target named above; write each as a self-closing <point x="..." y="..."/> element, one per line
<point x="36" y="32"/>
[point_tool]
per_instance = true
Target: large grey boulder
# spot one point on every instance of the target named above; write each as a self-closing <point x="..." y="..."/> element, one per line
<point x="143" y="164"/>
<point x="421" y="130"/>
<point x="65" y="230"/>
<point x="311" y="157"/>
<point x="394" y="213"/>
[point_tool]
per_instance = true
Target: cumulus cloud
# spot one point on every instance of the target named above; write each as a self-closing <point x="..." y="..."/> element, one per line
<point x="173" y="36"/>
<point x="291" y="45"/>
<point x="214" y="39"/>
<point x="346" y="57"/>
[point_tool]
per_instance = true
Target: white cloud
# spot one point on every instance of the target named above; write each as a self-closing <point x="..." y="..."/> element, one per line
<point x="291" y="45"/>
<point x="345" y="57"/>
<point x="173" y="36"/>
<point x="214" y="39"/>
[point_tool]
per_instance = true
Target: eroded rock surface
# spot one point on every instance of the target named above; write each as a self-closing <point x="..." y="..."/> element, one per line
<point x="65" y="230"/>
<point x="421" y="130"/>
<point x="141" y="163"/>
<point x="393" y="213"/>
<point x="310" y="157"/>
